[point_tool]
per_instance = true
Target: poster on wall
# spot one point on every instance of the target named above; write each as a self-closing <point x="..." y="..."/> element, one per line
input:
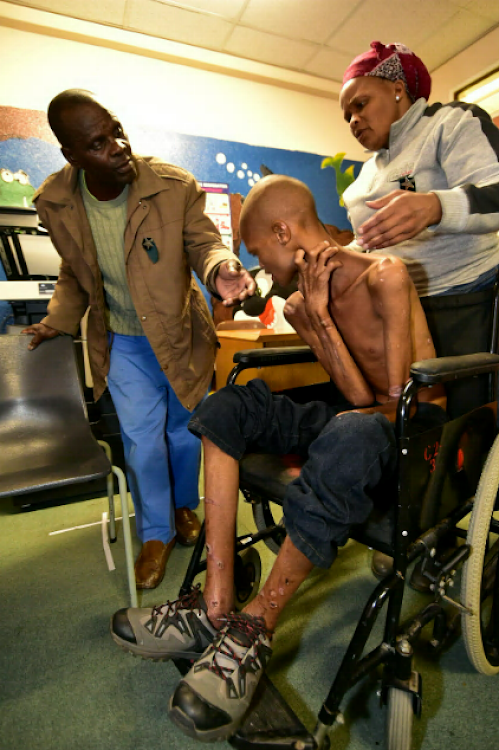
<point x="29" y="152"/>
<point x="217" y="207"/>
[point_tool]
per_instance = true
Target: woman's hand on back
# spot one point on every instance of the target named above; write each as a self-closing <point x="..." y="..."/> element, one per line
<point x="399" y="216"/>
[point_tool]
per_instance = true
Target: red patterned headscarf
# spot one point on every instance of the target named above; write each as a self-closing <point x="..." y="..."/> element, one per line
<point x="394" y="62"/>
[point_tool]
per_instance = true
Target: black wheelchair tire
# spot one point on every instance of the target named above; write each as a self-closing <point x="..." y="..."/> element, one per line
<point x="264" y="517"/>
<point x="399" y="719"/>
<point x="248" y="574"/>
<point x="484" y="556"/>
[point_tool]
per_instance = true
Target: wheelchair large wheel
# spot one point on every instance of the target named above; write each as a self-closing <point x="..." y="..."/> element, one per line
<point x="480" y="579"/>
<point x="247" y="576"/>
<point x="399" y="719"/>
<point x="264" y="517"/>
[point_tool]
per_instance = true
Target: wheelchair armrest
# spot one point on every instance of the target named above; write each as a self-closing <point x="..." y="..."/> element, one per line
<point x="286" y="355"/>
<point x="443" y="369"/>
<point x="289" y="355"/>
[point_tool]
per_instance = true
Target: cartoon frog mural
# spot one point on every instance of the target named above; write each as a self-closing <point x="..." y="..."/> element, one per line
<point x="15" y="188"/>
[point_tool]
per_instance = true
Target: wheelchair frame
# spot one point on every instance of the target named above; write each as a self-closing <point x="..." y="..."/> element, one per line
<point x="270" y="722"/>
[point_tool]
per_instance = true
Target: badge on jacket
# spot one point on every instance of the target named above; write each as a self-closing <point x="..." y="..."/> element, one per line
<point x="150" y="247"/>
<point x="408" y="182"/>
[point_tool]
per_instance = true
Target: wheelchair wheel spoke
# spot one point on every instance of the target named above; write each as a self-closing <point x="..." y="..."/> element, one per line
<point x="264" y="518"/>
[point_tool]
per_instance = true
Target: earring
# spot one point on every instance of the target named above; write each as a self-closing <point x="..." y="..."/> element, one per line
<point x="397" y="98"/>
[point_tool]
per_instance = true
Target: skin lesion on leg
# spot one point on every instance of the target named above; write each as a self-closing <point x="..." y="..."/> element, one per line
<point x="289" y="571"/>
<point x="221" y="474"/>
<point x="221" y="499"/>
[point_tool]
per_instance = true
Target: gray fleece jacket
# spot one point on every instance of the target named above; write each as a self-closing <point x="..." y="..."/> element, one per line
<point x="451" y="150"/>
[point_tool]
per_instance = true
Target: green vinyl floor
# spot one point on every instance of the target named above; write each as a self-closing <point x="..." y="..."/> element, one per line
<point x="64" y="685"/>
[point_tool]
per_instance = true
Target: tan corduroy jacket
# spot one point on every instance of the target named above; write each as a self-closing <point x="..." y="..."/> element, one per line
<point x="166" y="205"/>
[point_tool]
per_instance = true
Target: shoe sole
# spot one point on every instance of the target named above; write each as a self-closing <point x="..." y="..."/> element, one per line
<point x="188" y="727"/>
<point x="136" y="650"/>
<point x="186" y="543"/>
<point x="142" y="586"/>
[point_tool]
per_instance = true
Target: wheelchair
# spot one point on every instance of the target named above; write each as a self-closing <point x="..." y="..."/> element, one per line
<point x="443" y="514"/>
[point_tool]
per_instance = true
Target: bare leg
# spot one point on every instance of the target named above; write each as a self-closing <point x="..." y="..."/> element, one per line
<point x="221" y="490"/>
<point x="288" y="572"/>
<point x="290" y="569"/>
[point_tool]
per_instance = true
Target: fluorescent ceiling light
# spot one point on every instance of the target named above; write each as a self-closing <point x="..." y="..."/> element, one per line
<point x="480" y="90"/>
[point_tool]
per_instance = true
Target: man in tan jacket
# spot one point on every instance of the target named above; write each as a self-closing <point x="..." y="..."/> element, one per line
<point x="129" y="231"/>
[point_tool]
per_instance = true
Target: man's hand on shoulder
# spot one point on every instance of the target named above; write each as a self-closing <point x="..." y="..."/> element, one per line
<point x="233" y="282"/>
<point x="41" y="333"/>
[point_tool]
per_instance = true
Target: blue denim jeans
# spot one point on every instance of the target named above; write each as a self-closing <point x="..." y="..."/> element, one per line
<point x="346" y="458"/>
<point x="161" y="455"/>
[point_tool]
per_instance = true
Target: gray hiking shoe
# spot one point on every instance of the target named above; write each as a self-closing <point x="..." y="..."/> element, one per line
<point x="211" y="700"/>
<point x="175" y="630"/>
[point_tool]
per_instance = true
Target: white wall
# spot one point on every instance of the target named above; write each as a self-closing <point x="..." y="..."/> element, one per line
<point x="181" y="98"/>
<point x="477" y="60"/>
<point x="42" y="54"/>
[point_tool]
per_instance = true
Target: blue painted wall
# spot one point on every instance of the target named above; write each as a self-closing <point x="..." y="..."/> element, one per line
<point x="209" y="159"/>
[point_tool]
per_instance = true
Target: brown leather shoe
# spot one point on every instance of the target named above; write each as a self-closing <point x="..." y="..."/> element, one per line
<point x="187" y="525"/>
<point x="151" y="563"/>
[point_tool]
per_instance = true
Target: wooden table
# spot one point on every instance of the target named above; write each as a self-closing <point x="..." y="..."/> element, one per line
<point x="278" y="378"/>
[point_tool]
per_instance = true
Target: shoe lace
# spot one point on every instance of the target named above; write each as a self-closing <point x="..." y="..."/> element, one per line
<point x="191" y="601"/>
<point x="250" y="628"/>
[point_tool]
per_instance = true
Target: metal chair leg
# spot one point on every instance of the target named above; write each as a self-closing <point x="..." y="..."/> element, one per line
<point x="127" y="534"/>
<point x="110" y="492"/>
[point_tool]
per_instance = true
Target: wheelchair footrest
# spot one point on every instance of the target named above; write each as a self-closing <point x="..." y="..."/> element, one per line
<point x="270" y="724"/>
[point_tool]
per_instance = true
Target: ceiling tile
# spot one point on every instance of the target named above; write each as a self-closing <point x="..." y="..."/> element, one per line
<point x="328" y="64"/>
<point x="460" y="32"/>
<point x="487" y="8"/>
<point x="226" y="8"/>
<point x="313" y="20"/>
<point x="319" y="37"/>
<point x="169" y="22"/>
<point x="275" y="50"/>
<point x="100" y="11"/>
<point x="391" y="21"/>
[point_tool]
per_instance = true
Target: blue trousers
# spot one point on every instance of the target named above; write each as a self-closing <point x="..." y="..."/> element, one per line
<point x="162" y="457"/>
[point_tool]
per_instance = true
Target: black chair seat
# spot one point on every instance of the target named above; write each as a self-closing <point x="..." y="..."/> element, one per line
<point x="45" y="437"/>
<point x="39" y="465"/>
<point x="46" y="441"/>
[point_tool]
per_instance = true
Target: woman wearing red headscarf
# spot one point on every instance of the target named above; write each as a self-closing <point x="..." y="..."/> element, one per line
<point x="430" y="192"/>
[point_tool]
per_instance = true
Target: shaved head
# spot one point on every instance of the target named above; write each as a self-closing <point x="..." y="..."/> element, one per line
<point x="278" y="218"/>
<point x="61" y="105"/>
<point x="278" y="198"/>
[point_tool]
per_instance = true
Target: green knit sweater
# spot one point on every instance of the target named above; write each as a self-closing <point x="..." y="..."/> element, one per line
<point x="107" y="221"/>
